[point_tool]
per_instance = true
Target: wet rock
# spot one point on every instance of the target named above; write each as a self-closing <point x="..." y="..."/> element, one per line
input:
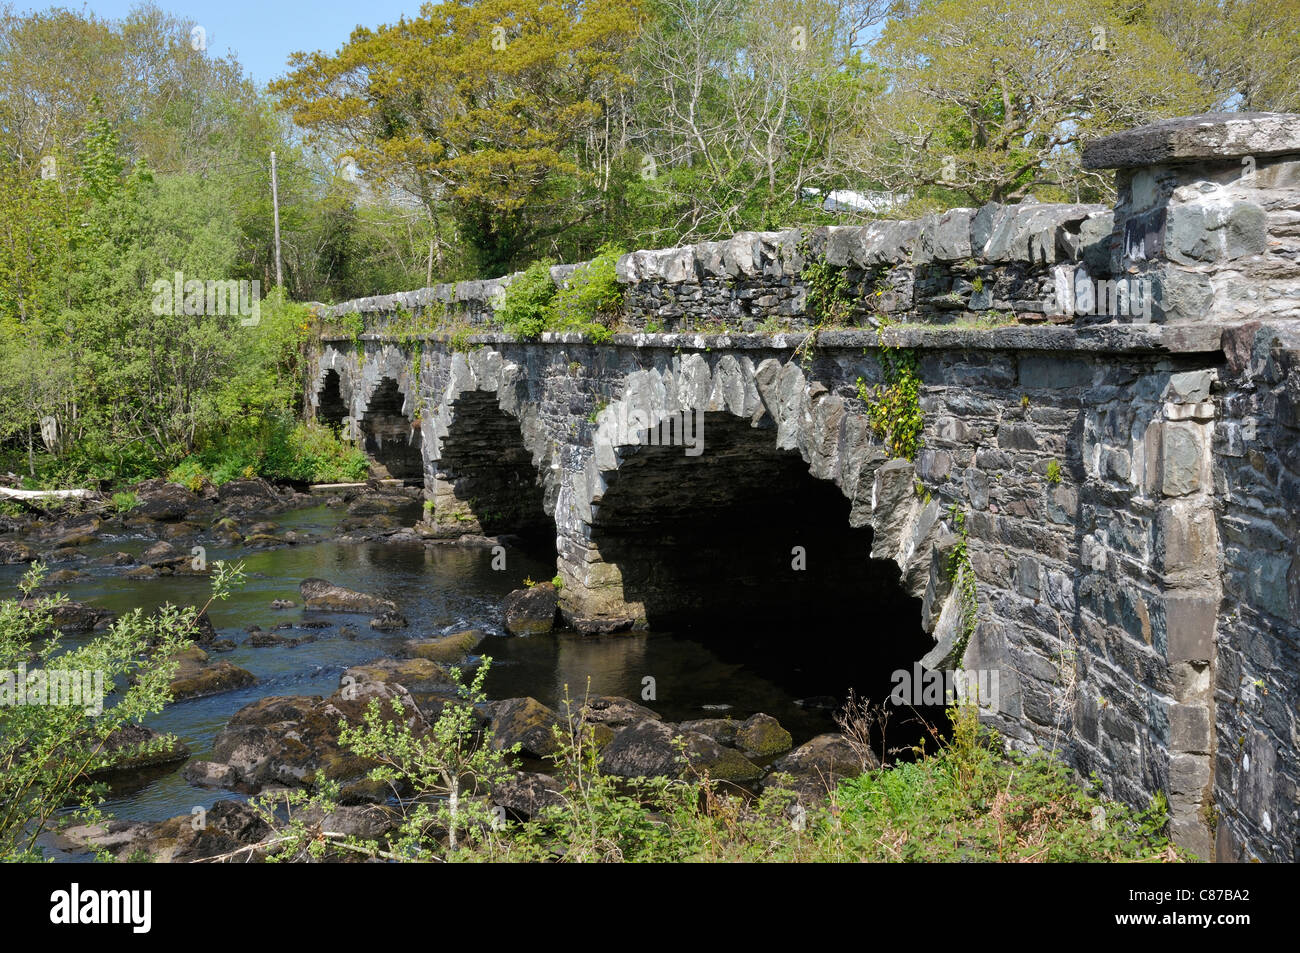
<point x="141" y="572"/>
<point x="12" y="553"/>
<point x="267" y="639"/>
<point x="72" y="618"/>
<point x="197" y="677"/>
<point x="182" y="529"/>
<point x="62" y="576"/>
<point x="227" y="826"/>
<point x="531" y="611"/>
<point x="222" y="645"/>
<point x="114" y="559"/>
<point x="416" y="675"/>
<point x="283" y="604"/>
<point x="293" y="740"/>
<point x="389" y="621"/>
<point x="132" y="747"/>
<point x="526" y="722"/>
<point x="210" y="774"/>
<point x="815" y="767"/>
<point x="204" y="631"/>
<point x="241" y="497"/>
<point x="614" y="711"/>
<point x="159" y="554"/>
<point x="721" y="730"/>
<point x="762" y="736"/>
<point x="448" y="648"/>
<point x="320" y="594"/>
<point x="166" y="502"/>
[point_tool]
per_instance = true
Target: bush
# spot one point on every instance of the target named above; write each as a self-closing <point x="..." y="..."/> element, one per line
<point x="588" y="303"/>
<point x="523" y="309"/>
<point x="50" y="752"/>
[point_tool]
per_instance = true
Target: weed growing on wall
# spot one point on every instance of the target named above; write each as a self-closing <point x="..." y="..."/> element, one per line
<point x="894" y="407"/>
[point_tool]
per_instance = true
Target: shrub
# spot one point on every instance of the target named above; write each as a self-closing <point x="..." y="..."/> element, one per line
<point x="523" y="309"/>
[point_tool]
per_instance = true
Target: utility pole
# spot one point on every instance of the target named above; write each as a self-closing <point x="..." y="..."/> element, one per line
<point x="275" y="205"/>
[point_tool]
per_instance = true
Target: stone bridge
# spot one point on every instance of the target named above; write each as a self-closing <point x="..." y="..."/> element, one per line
<point x="1103" y="509"/>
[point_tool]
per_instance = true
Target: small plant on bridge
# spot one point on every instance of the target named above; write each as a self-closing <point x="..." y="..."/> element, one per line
<point x="1053" y="472"/>
<point x="962" y="573"/>
<point x="829" y="300"/>
<point x="523" y="308"/>
<point x="590" y="300"/>
<point x="894" y="407"/>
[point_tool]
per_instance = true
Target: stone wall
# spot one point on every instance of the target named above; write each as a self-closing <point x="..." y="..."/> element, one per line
<point x="1109" y="399"/>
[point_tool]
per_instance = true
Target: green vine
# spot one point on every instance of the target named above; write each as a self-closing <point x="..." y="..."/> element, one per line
<point x="829" y="299"/>
<point x="894" y="407"/>
<point x="962" y="574"/>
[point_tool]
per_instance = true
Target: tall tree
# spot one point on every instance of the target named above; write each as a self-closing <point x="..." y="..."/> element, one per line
<point x="989" y="100"/>
<point x="475" y="106"/>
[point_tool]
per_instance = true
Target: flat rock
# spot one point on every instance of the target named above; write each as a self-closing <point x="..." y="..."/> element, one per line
<point x="320" y="594"/>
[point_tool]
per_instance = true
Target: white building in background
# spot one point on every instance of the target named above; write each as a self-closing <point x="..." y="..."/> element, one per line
<point x="846" y="200"/>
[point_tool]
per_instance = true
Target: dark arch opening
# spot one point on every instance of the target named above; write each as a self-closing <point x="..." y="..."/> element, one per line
<point x="389" y="437"/>
<point x="709" y="545"/>
<point x="489" y="470"/>
<point x="330" y="406"/>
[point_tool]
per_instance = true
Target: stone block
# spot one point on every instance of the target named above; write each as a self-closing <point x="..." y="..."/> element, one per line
<point x="1183" y="456"/>
<point x="1190" y="729"/>
<point x="1190" y="618"/>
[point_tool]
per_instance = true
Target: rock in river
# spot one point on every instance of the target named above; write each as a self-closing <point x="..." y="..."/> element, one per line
<point x="531" y="611"/>
<point x="320" y="594"/>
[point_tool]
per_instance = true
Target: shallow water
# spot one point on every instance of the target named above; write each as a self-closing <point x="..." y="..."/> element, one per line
<point x="439" y="589"/>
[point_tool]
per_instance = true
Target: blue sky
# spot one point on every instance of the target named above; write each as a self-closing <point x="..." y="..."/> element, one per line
<point x="261" y="34"/>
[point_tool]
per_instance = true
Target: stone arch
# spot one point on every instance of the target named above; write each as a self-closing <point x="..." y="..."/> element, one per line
<point x="491" y="464"/>
<point x="331" y="409"/>
<point x="388" y="433"/>
<point x="771" y="409"/>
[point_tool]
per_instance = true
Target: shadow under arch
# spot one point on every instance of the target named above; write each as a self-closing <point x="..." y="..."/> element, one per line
<point x="388" y="435"/>
<point x="743" y="546"/>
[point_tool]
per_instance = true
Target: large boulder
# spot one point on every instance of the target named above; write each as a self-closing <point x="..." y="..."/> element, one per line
<point x="13" y="552"/>
<point x="531" y="611"/>
<point x="72" y="618"/>
<point x="526" y="722"/>
<point x="166" y="502"/>
<point x="414" y="674"/>
<point x="324" y="595"/>
<point x="761" y="736"/>
<point x="814" y="768"/>
<point x="132" y="747"/>
<point x="240" y="497"/>
<point x="525" y="794"/>
<point x="197" y="677"/>
<point x="614" y="711"/>
<point x="651" y="749"/>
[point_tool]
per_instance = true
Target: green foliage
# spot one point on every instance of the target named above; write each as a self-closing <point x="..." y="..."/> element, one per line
<point x="276" y="448"/>
<point x="894" y="407"/>
<point x="590" y="300"/>
<point x="523" y="308"/>
<point x="51" y="755"/>
<point x="829" y="301"/>
<point x="1053" y="472"/>
<point x="125" y="501"/>
<point x="973" y="801"/>
<point x="962" y="573"/>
